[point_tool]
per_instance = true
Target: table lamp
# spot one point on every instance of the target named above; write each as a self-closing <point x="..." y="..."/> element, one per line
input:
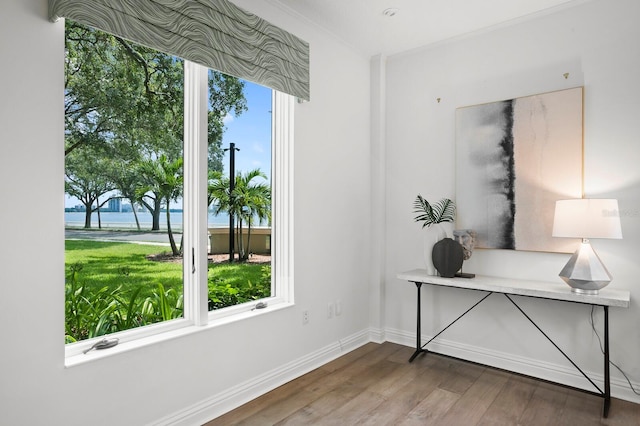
<point x="586" y="218"/>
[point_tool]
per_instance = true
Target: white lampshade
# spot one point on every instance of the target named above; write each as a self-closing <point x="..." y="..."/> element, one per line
<point x="587" y="218"/>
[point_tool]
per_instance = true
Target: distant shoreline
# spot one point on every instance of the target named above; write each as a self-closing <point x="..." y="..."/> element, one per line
<point x="127" y="220"/>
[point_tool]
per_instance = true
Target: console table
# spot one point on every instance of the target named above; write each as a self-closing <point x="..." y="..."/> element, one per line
<point x="537" y="289"/>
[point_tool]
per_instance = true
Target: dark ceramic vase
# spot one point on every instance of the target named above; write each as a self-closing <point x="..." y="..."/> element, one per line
<point x="448" y="256"/>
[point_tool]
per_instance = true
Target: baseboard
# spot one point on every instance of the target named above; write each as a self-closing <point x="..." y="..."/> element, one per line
<point x="566" y="375"/>
<point x="377" y="335"/>
<point x="215" y="406"/>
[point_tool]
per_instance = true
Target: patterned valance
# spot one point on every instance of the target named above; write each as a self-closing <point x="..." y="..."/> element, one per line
<point x="213" y="33"/>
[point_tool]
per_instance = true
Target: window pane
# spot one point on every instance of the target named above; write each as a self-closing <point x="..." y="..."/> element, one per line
<point x="240" y="120"/>
<point x="123" y="184"/>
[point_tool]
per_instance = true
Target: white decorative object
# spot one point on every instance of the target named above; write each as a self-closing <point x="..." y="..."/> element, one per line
<point x="431" y="216"/>
<point x="467" y="239"/>
<point x="432" y="235"/>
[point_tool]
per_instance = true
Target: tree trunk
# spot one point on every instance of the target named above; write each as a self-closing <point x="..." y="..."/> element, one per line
<point x="248" y="239"/>
<point x="87" y="215"/>
<point x="244" y="248"/>
<point x="135" y="214"/>
<point x="241" y="249"/>
<point x="157" y="202"/>
<point x="98" y="210"/>
<point x="174" y="248"/>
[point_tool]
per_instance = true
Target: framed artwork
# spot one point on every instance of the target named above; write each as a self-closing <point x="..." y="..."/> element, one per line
<point x="514" y="159"/>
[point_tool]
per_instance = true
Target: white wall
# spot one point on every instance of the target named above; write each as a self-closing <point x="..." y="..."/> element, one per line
<point x="147" y="385"/>
<point x="596" y="43"/>
<point x="593" y="42"/>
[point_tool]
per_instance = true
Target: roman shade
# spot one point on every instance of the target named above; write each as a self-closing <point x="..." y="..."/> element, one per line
<point x="213" y="33"/>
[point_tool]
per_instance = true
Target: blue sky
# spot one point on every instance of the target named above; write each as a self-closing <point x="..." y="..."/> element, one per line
<point x="251" y="132"/>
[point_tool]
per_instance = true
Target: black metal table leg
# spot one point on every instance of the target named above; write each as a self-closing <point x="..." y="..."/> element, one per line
<point x="419" y="349"/>
<point x="607" y="384"/>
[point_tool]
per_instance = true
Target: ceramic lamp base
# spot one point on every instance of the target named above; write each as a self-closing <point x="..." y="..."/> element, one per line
<point x="584" y="272"/>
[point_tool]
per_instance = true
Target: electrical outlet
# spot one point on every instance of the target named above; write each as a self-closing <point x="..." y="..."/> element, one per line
<point x="338" y="307"/>
<point x="305" y="317"/>
<point x="330" y="310"/>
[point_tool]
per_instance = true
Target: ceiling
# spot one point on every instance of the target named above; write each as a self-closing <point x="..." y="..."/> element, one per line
<point x="362" y="24"/>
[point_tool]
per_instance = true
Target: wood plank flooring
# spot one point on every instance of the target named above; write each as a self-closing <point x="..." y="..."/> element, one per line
<point x="375" y="385"/>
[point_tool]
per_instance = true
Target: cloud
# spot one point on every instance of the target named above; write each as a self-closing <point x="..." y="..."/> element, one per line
<point x="257" y="147"/>
<point x="228" y="118"/>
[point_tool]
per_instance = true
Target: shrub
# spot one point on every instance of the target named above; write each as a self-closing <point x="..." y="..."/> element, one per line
<point x="223" y="294"/>
<point x="95" y="313"/>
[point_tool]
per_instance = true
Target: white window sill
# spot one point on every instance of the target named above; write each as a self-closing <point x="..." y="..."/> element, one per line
<point x="132" y="343"/>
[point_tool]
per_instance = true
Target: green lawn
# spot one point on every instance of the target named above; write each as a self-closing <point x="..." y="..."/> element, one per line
<point x="121" y="264"/>
<point x="112" y="286"/>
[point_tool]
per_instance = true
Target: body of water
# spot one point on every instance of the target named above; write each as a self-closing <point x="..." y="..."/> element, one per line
<point x="127" y="220"/>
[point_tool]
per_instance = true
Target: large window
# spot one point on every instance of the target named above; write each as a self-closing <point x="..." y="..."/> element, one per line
<point x="150" y="144"/>
<point x="241" y="259"/>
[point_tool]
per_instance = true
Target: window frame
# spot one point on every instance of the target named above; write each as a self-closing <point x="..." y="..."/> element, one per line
<point x="195" y="261"/>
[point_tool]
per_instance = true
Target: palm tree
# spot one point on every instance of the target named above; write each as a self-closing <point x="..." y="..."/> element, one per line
<point x="218" y="194"/>
<point x="218" y="191"/>
<point x="254" y="200"/>
<point x="248" y="201"/>
<point x="164" y="179"/>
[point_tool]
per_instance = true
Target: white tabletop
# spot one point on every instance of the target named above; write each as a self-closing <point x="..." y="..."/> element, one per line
<point x="547" y="290"/>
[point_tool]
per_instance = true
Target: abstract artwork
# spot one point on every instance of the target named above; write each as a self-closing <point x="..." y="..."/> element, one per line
<point x="514" y="159"/>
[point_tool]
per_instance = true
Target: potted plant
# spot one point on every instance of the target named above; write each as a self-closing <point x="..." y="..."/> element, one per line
<point x="431" y="216"/>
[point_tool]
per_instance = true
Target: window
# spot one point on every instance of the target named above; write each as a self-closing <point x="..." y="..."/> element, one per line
<point x="241" y="259"/>
<point x="129" y="150"/>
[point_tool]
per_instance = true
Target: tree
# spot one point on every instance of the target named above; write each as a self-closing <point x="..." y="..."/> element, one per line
<point x="249" y="200"/>
<point x="100" y="87"/>
<point x="112" y="84"/>
<point x="217" y="191"/>
<point x="164" y="179"/>
<point x="255" y="201"/>
<point x="151" y="200"/>
<point x="126" y="180"/>
<point x="86" y="179"/>
<point x="125" y="102"/>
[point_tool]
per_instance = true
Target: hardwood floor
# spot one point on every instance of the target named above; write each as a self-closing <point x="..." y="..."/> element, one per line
<point x="375" y="385"/>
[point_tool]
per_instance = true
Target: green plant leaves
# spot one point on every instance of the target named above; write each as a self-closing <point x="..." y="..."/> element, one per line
<point x="92" y="314"/>
<point x="442" y="211"/>
<point x="223" y="293"/>
<point x="112" y="287"/>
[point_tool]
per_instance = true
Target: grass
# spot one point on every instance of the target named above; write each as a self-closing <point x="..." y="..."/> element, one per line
<point x="99" y="273"/>
<point x="111" y="265"/>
